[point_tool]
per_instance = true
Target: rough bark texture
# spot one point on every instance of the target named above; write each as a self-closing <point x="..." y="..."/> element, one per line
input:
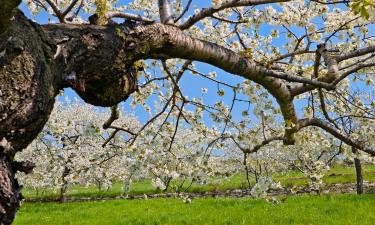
<point x="7" y="8"/>
<point x="96" y="62"/>
<point x="27" y="91"/>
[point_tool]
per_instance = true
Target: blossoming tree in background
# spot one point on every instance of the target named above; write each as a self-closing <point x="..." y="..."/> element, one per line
<point x="68" y="150"/>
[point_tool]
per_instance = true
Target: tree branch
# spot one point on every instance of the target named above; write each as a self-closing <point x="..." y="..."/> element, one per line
<point x="234" y="3"/>
<point x="165" y="12"/>
<point x="56" y="10"/>
<point x="161" y="41"/>
<point x="355" y="53"/>
<point x="69" y="8"/>
<point x="184" y="12"/>
<point x="336" y="133"/>
<point x="129" y="16"/>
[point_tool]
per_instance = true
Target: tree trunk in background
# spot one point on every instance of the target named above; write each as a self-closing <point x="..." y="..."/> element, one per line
<point x="99" y="185"/>
<point x="63" y="192"/>
<point x="247" y="170"/>
<point x="358" y="172"/>
<point x="64" y="186"/>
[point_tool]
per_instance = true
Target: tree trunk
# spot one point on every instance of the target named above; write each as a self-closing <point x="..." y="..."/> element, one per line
<point x="358" y="172"/>
<point x="63" y="192"/>
<point x="27" y="91"/>
<point x="9" y="193"/>
<point x="64" y="186"/>
<point x="32" y="72"/>
<point x="247" y="170"/>
<point x="99" y="185"/>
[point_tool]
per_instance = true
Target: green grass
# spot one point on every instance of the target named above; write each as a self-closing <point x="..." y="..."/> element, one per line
<point x="307" y="210"/>
<point x="338" y="174"/>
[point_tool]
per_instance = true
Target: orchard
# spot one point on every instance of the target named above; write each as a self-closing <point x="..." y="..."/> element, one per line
<point x="185" y="96"/>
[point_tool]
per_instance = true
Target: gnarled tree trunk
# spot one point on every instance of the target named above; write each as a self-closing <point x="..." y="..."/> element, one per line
<point x="27" y="90"/>
<point x="35" y="64"/>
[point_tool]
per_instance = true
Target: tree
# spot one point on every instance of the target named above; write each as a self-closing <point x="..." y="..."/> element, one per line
<point x="67" y="152"/>
<point x="318" y="73"/>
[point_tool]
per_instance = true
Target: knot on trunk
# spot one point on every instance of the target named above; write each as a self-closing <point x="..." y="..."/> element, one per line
<point x="97" y="62"/>
<point x="105" y="91"/>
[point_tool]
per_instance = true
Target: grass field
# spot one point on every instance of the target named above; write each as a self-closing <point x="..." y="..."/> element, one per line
<point x="338" y="174"/>
<point x="307" y="210"/>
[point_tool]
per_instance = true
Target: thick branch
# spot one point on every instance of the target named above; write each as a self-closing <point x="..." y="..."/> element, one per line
<point x="170" y="42"/>
<point x="129" y="16"/>
<point x="121" y="45"/>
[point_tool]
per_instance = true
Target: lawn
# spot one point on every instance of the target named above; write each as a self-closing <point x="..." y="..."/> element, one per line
<point x="307" y="210"/>
<point x="338" y="174"/>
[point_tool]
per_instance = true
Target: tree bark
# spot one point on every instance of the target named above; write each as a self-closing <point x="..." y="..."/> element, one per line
<point x="27" y="91"/>
<point x="358" y="172"/>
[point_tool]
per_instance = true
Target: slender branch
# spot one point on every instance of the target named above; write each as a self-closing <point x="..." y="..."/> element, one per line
<point x="227" y="20"/>
<point x="69" y="8"/>
<point x="340" y="28"/>
<point x="115" y="114"/>
<point x="184" y="12"/>
<point x="291" y="54"/>
<point x="324" y="109"/>
<point x="176" y="126"/>
<point x="331" y="2"/>
<point x="354" y="70"/>
<point x="129" y="16"/>
<point x="258" y="146"/>
<point x="263" y="143"/>
<point x="234" y="3"/>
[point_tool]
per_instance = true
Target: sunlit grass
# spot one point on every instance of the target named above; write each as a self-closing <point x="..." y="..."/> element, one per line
<point x="314" y="210"/>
